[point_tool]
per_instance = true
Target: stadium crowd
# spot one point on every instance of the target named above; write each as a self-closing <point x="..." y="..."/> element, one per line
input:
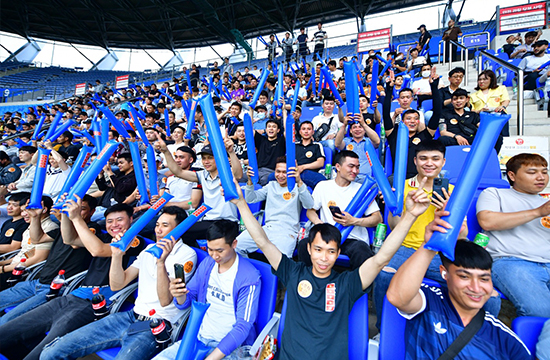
<point x="331" y="166"/>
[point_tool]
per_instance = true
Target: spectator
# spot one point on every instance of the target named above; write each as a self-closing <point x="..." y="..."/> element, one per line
<point x="271" y="48"/>
<point x="424" y="39"/>
<point x="527" y="47"/>
<point x="182" y="189"/>
<point x="319" y="37"/>
<point x="152" y="273"/>
<point x="336" y="73"/>
<point x="316" y="328"/>
<point x="67" y="146"/>
<point x="194" y="75"/>
<point x="177" y="109"/>
<point x="286" y="44"/>
<point x="57" y="173"/>
<point x="303" y="50"/>
<point x="510" y="45"/>
<point x="24" y="183"/>
<point x="340" y="192"/>
<point x="422" y="87"/>
<point x="68" y="313"/>
<point x="231" y="285"/>
<point x="117" y="185"/>
<point x="209" y="181"/>
<point x="458" y="126"/>
<point x="227" y="67"/>
<point x="268" y="149"/>
<point x="414" y="60"/>
<point x="516" y="222"/>
<point x="370" y="119"/>
<point x="442" y="314"/>
<point x="310" y="156"/>
<point x="11" y="232"/>
<point x="9" y="172"/>
<point x="230" y="118"/>
<point x="451" y="34"/>
<point x="99" y="87"/>
<point x="27" y="295"/>
<point x="282" y="209"/>
<point x="532" y="64"/>
<point x="456" y="76"/>
<point x="326" y="125"/>
<point x="239" y="145"/>
<point x="359" y="131"/>
<point x="33" y="253"/>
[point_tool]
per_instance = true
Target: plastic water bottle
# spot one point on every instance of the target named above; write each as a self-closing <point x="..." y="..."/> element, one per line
<point x="56" y="285"/>
<point x="17" y="272"/>
<point x="379" y="237"/>
<point x="191" y="209"/>
<point x="99" y="304"/>
<point x="328" y="171"/>
<point x="160" y="330"/>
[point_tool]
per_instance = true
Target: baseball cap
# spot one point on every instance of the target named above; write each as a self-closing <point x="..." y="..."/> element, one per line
<point x="190" y="151"/>
<point x="207" y="150"/>
<point x="421" y="26"/>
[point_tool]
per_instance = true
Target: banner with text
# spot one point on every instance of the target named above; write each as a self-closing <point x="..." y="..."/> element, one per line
<point x="373" y="40"/>
<point x="122" y="82"/>
<point x="80" y="89"/>
<point x="527" y="16"/>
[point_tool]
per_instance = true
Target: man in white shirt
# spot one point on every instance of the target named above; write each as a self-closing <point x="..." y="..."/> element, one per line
<point x="533" y="64"/>
<point x="332" y="121"/>
<point x="130" y="329"/>
<point x="340" y="192"/>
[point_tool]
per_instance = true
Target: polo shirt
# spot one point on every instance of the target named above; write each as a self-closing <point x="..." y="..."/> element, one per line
<point x="360" y="149"/>
<point x="212" y="197"/>
<point x="180" y="188"/>
<point x="452" y="121"/>
<point x="430" y="331"/>
<point x="306" y="154"/>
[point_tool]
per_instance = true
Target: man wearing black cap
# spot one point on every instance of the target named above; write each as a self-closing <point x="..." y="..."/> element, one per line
<point x="424" y="38"/>
<point x="532" y="65"/>
<point x="521" y="50"/>
<point x="457" y="126"/>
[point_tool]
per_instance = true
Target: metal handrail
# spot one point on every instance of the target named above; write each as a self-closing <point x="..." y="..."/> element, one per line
<point x="519" y="74"/>
<point x="464" y="57"/>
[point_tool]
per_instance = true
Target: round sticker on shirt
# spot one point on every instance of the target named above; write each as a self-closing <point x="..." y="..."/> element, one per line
<point x="287" y="196"/>
<point x="545" y="221"/>
<point x="188" y="267"/>
<point x="454" y="121"/>
<point x="92" y="230"/>
<point x="368" y="121"/>
<point x="331" y="203"/>
<point x="135" y="243"/>
<point x="304" y="288"/>
<point x="10" y="232"/>
<point x="349" y="147"/>
<point x="309" y="154"/>
<point x="497" y="99"/>
<point x="164" y="179"/>
<point x="416" y="141"/>
<point x="11" y="169"/>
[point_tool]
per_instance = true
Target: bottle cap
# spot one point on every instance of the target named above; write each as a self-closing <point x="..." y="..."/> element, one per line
<point x="152" y="312"/>
<point x="23" y="260"/>
<point x="95" y="290"/>
<point x="61" y="272"/>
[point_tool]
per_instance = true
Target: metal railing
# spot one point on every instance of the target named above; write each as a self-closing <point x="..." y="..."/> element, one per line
<point x="463" y="57"/>
<point x="519" y="75"/>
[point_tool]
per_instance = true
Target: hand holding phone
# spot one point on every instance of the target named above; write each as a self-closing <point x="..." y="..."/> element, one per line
<point x="180" y="273"/>
<point x="335" y="210"/>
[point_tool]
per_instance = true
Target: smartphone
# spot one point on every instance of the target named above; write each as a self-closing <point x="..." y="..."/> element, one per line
<point x="178" y="270"/>
<point x="439" y="185"/>
<point x="335" y="210"/>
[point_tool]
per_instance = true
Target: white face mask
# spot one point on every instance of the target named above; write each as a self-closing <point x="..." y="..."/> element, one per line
<point x="426" y="73"/>
<point x="399" y="57"/>
<point x="261" y="115"/>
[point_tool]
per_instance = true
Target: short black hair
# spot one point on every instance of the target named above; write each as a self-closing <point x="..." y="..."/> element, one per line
<point x="406" y="90"/>
<point x="410" y="111"/>
<point x="120" y="207"/>
<point x="459" y="92"/>
<point x="237" y="104"/>
<point x="328" y="233"/>
<point x="187" y="149"/>
<point x="340" y="157"/>
<point x="274" y="122"/>
<point x="48" y="202"/>
<point x="178" y="212"/>
<point x="68" y="134"/>
<point x="305" y="122"/>
<point x="20" y="197"/>
<point x="469" y="255"/>
<point x="457" y="70"/>
<point x="4" y="156"/>
<point x="90" y="200"/>
<point x="332" y="62"/>
<point x="226" y="229"/>
<point x="28" y="148"/>
<point x="126" y="156"/>
<point x="430" y="145"/>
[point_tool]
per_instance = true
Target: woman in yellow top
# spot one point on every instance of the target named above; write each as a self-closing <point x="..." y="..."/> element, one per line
<point x="489" y="97"/>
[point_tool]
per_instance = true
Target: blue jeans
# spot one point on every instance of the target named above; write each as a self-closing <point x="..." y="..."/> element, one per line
<point x="330" y="144"/>
<point x="543" y="345"/>
<point x="171" y="352"/>
<point x="25" y="296"/>
<point x="309" y="177"/>
<point x="382" y="281"/>
<point x="109" y="332"/>
<point x="525" y="283"/>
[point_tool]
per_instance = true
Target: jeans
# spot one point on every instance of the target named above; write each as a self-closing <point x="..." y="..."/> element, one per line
<point x="171" y="352"/>
<point x="25" y="296"/>
<point x="109" y="332"/>
<point x="525" y="283"/>
<point x="543" y="345"/>
<point x="382" y="281"/>
<point x="330" y="144"/>
<point x="283" y="239"/>
<point x="58" y="317"/>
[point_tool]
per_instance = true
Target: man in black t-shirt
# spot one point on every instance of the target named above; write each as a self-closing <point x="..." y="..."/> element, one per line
<point x="27" y="295"/>
<point x="12" y="230"/>
<point x="320" y="300"/>
<point x="302" y="44"/>
<point x="457" y="126"/>
<point x="66" y="141"/>
<point x="67" y="313"/>
<point x="309" y="156"/>
<point x="269" y="148"/>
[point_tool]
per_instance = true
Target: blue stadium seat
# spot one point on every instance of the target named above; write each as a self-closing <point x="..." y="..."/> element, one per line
<point x="309" y="112"/>
<point x="358" y="328"/>
<point x="328" y="155"/>
<point x="528" y="329"/>
<point x="392" y="333"/>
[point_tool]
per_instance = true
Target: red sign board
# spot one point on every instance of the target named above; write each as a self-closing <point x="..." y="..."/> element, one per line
<point x="80" y="89"/>
<point x="373" y="40"/>
<point x="122" y="82"/>
<point x="527" y="16"/>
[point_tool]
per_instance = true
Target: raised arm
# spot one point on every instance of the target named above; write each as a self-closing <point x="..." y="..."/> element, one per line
<point x="417" y="202"/>
<point x="437" y="103"/>
<point x="118" y="277"/>
<point x="37" y="234"/>
<point x="386" y="108"/>
<point x="171" y="163"/>
<point x="339" y="139"/>
<point x="403" y="291"/>
<point x="236" y="167"/>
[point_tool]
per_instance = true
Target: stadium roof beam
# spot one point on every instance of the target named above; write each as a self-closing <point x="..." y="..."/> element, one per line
<point x="212" y="19"/>
<point x="263" y="12"/>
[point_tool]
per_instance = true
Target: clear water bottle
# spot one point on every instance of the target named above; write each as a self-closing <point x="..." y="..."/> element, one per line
<point x="191" y="209"/>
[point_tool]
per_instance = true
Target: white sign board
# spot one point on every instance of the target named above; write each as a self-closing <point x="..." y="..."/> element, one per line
<point x="515" y="145"/>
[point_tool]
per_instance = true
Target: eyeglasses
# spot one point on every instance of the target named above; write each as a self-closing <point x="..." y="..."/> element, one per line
<point x="458" y="76"/>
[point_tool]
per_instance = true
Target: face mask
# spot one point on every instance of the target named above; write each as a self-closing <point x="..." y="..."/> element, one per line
<point x="399" y="57"/>
<point x="426" y="73"/>
<point x="261" y="115"/>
